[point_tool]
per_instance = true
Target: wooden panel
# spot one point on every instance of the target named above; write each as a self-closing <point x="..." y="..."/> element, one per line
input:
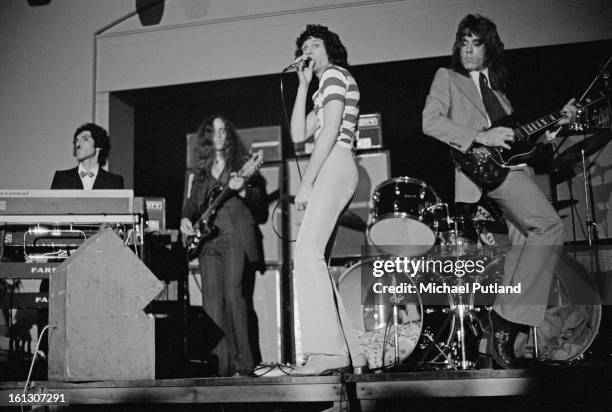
<point x="98" y="327"/>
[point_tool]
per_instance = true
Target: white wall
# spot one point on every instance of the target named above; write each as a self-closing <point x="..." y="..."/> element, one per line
<point x="46" y="53"/>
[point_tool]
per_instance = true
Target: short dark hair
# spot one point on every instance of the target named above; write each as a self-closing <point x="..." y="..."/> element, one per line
<point x="486" y="31"/>
<point x="100" y="137"/>
<point x="336" y="52"/>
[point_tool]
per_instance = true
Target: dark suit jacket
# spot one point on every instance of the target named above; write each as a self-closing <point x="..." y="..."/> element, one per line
<point x="454" y="113"/>
<point x="237" y="216"/>
<point x="70" y="179"/>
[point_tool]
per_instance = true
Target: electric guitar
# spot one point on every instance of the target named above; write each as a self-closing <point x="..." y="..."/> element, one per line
<point x="488" y="166"/>
<point x="203" y="226"/>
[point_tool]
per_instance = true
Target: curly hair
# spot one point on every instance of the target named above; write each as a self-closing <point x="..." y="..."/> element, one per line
<point x="485" y="30"/>
<point x="100" y="137"/>
<point x="234" y="150"/>
<point x="336" y="52"/>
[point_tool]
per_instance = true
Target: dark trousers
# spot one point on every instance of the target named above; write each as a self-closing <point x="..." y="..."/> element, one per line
<point x="227" y="297"/>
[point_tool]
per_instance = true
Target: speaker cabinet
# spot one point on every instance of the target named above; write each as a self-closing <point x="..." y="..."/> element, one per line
<point x="267" y="138"/>
<point x="272" y="243"/>
<point x="267" y="305"/>
<point x="373" y="169"/>
<point x="98" y="329"/>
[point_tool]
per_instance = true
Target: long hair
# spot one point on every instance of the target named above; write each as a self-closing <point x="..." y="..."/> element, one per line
<point x="336" y="52"/>
<point x="486" y="31"/>
<point x="233" y="151"/>
<point x="100" y="137"/>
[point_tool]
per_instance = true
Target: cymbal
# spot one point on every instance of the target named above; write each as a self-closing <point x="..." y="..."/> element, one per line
<point x="573" y="155"/>
<point x="563" y="204"/>
<point x="353" y="221"/>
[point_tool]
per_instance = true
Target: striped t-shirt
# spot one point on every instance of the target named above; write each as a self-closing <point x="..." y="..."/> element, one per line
<point x="337" y="83"/>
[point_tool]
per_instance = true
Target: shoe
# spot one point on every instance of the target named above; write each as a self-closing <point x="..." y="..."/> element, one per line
<point x="320" y="365"/>
<point x="360" y="365"/>
<point x="484" y="361"/>
<point x="501" y="340"/>
<point x="271" y="370"/>
<point x="242" y="374"/>
<point x="361" y="370"/>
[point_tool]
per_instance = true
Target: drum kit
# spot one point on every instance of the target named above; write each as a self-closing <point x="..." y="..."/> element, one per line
<point x="408" y="218"/>
<point x="417" y="331"/>
<point x="410" y="331"/>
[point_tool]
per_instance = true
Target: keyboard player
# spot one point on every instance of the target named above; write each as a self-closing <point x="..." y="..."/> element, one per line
<point x="90" y="147"/>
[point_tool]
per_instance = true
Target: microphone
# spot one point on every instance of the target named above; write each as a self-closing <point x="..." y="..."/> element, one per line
<point x="294" y="66"/>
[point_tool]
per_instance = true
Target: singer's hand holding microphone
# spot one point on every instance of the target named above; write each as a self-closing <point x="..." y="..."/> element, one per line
<point x="300" y="64"/>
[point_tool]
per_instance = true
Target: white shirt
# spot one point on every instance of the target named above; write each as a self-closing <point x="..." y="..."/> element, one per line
<point x="88" y="181"/>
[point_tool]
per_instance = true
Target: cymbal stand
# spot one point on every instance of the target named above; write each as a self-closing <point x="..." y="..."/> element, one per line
<point x="461" y="341"/>
<point x="590" y="222"/>
<point x="396" y="299"/>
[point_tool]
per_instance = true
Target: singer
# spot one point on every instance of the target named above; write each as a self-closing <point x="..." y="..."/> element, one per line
<point x="327" y="186"/>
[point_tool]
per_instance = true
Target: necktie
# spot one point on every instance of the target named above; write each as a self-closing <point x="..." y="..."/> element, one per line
<point x="492" y="105"/>
<point x="84" y="173"/>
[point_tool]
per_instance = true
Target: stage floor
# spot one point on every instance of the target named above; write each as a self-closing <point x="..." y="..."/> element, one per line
<point x="560" y="387"/>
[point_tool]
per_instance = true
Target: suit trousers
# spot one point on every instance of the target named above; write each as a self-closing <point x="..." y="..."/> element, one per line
<point x="227" y="293"/>
<point x="536" y="233"/>
<point x="324" y="323"/>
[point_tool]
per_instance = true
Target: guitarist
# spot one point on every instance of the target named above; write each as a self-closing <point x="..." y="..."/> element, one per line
<point x="229" y="260"/>
<point x="462" y="104"/>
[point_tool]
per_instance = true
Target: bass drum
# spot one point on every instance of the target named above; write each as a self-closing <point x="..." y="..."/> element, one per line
<point x="424" y="332"/>
<point x="573" y="315"/>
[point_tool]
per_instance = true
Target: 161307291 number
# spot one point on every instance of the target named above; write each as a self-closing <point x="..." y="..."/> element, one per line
<point x="37" y="398"/>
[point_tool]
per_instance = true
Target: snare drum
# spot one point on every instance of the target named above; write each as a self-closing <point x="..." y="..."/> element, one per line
<point x="398" y="216"/>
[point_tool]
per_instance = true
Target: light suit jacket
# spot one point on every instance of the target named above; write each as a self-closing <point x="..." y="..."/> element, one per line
<point x="454" y="113"/>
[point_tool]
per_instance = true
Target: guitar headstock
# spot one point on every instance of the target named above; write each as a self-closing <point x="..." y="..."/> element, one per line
<point x="252" y="164"/>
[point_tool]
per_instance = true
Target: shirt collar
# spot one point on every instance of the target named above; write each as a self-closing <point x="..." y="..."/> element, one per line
<point x="94" y="169"/>
<point x="476" y="75"/>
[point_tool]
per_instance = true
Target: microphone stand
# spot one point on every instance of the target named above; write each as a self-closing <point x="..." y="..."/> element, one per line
<point x="601" y="73"/>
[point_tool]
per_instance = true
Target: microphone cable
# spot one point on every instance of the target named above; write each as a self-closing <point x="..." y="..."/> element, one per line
<point x="297" y="164"/>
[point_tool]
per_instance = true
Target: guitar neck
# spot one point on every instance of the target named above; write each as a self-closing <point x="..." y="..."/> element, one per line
<point x="247" y="170"/>
<point x="215" y="204"/>
<point x="540" y="124"/>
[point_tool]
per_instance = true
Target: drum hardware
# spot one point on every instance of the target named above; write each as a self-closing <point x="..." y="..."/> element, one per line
<point x="562" y="167"/>
<point x="462" y="317"/>
<point x="590" y="222"/>
<point x="572" y="162"/>
<point x="536" y="348"/>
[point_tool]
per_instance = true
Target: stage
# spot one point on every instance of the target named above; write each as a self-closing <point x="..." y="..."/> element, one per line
<point x="559" y="387"/>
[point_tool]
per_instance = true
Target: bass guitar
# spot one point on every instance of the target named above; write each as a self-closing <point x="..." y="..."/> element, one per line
<point x="488" y="166"/>
<point x="203" y="226"/>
